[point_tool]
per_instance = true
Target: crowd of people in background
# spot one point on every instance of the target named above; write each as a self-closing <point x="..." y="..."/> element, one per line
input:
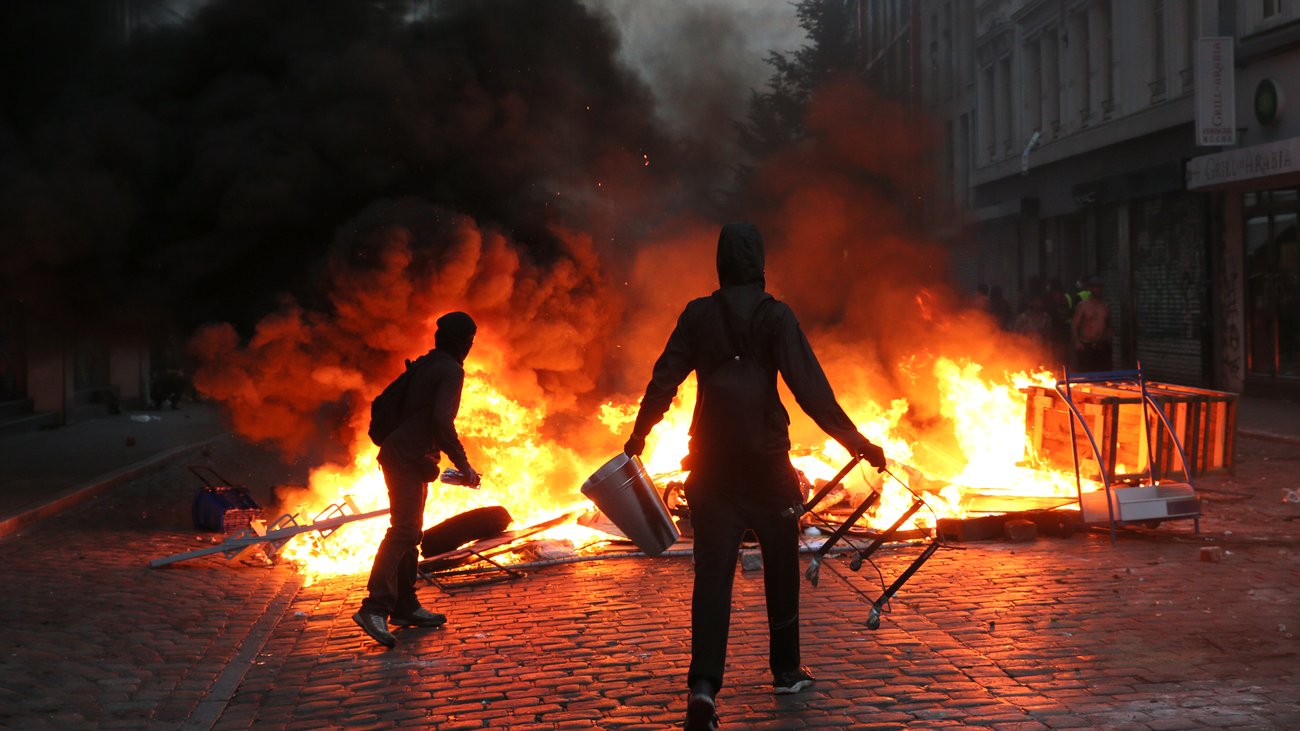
<point x="1072" y="326"/>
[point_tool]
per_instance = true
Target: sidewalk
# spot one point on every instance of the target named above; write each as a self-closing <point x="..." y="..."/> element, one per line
<point x="1272" y="419"/>
<point x="48" y="470"/>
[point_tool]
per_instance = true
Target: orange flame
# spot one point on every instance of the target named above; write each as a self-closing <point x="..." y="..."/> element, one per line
<point x="519" y="468"/>
<point x="536" y="478"/>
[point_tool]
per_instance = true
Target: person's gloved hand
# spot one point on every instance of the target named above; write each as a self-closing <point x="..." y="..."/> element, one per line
<point x="472" y="478"/>
<point x="635" y="446"/>
<point x="873" y="455"/>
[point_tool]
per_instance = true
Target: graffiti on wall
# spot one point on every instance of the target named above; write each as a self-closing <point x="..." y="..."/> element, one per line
<point x="1229" y="290"/>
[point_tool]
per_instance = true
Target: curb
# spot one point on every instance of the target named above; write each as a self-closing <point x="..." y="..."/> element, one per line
<point x="213" y="705"/>
<point x="1270" y="437"/>
<point x="80" y="493"/>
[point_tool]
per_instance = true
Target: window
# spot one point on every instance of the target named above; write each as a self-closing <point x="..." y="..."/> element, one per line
<point x="950" y="166"/>
<point x="1079" y="78"/>
<point x="1158" y="51"/>
<point x="963" y="161"/>
<point x="1187" y="60"/>
<point x="1033" y="73"/>
<point x="1273" y="283"/>
<point x="1258" y="16"/>
<point x="987" y="135"/>
<point x="1006" y="105"/>
<point x="1101" y="50"/>
<point x="951" y="77"/>
<point x="1050" y="55"/>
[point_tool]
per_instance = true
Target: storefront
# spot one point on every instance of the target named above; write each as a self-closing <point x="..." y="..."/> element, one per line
<point x="1272" y="274"/>
<point x="1257" y="285"/>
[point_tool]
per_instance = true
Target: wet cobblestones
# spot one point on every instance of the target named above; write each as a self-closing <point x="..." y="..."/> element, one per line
<point x="1060" y="633"/>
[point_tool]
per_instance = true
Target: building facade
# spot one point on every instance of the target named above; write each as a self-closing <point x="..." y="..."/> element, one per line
<point x="1256" y="184"/>
<point x="1070" y="151"/>
<point x="53" y="373"/>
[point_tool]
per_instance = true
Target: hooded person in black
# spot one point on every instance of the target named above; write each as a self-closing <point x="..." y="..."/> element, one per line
<point x="409" y="458"/>
<point x="737" y="340"/>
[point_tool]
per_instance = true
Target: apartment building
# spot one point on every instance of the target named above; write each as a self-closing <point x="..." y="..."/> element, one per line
<point x="1071" y="150"/>
<point x="56" y="372"/>
<point x="1255" y="182"/>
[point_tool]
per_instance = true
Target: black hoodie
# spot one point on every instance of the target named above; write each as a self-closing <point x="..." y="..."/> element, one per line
<point x="433" y="400"/>
<point x="701" y="341"/>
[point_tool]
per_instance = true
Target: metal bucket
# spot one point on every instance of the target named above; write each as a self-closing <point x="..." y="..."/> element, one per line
<point x="626" y="495"/>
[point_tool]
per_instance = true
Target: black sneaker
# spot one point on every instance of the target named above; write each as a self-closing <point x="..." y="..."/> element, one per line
<point x="701" y="714"/>
<point x="372" y="623"/>
<point x="418" y="617"/>
<point x="792" y="681"/>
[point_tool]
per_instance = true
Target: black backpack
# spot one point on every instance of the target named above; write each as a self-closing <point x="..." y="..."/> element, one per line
<point x="388" y="410"/>
<point x="728" y="418"/>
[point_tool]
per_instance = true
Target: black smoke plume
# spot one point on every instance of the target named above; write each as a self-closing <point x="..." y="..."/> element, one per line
<point x="197" y="171"/>
<point x="322" y="178"/>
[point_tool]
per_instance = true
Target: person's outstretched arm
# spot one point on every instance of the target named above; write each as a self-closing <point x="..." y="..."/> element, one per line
<point x="446" y="404"/>
<point x="807" y="381"/>
<point x="674" y="364"/>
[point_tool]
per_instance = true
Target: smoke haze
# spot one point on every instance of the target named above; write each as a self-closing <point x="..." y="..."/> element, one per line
<point x="316" y="181"/>
<point x="203" y="170"/>
<point x="702" y="58"/>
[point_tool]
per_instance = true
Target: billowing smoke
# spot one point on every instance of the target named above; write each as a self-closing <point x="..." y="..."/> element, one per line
<point x="199" y="171"/>
<point x="305" y="378"/>
<point x="510" y="159"/>
<point x="703" y="58"/>
<point x="357" y="169"/>
<point x="872" y="293"/>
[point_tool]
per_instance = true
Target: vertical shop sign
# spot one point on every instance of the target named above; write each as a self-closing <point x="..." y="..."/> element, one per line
<point x="1216" y="108"/>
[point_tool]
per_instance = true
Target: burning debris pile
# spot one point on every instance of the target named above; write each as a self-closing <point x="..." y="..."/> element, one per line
<point x="989" y="415"/>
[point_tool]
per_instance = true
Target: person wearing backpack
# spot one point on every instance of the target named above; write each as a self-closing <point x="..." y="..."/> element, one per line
<point x="736" y="341"/>
<point x="413" y="421"/>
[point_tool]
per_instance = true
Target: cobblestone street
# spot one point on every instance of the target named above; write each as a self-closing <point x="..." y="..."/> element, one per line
<point x="1058" y="633"/>
<point x="976" y="322"/>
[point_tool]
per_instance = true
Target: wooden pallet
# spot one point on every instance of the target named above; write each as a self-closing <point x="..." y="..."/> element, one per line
<point x="1204" y="421"/>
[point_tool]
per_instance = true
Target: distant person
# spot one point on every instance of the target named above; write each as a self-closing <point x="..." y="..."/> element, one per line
<point x="737" y="341"/>
<point x="1083" y="289"/>
<point x="1060" y="305"/>
<point x="1091" y="332"/>
<point x="409" y="459"/>
<point x="1036" y="323"/>
<point x="1033" y="286"/>
<point x="1059" y="302"/>
<point x="999" y="307"/>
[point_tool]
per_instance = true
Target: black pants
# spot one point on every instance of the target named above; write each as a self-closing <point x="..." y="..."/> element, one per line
<point x="392" y="578"/>
<point x="723" y="504"/>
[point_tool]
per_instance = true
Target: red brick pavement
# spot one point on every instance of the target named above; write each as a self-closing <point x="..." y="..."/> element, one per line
<point x="1060" y="633"/>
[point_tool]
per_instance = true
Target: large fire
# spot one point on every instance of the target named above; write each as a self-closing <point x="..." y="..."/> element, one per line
<point x="536" y="478"/>
<point x="572" y="314"/>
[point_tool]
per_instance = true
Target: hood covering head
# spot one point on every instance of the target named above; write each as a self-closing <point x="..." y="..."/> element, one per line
<point x="740" y="255"/>
<point x="455" y="334"/>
